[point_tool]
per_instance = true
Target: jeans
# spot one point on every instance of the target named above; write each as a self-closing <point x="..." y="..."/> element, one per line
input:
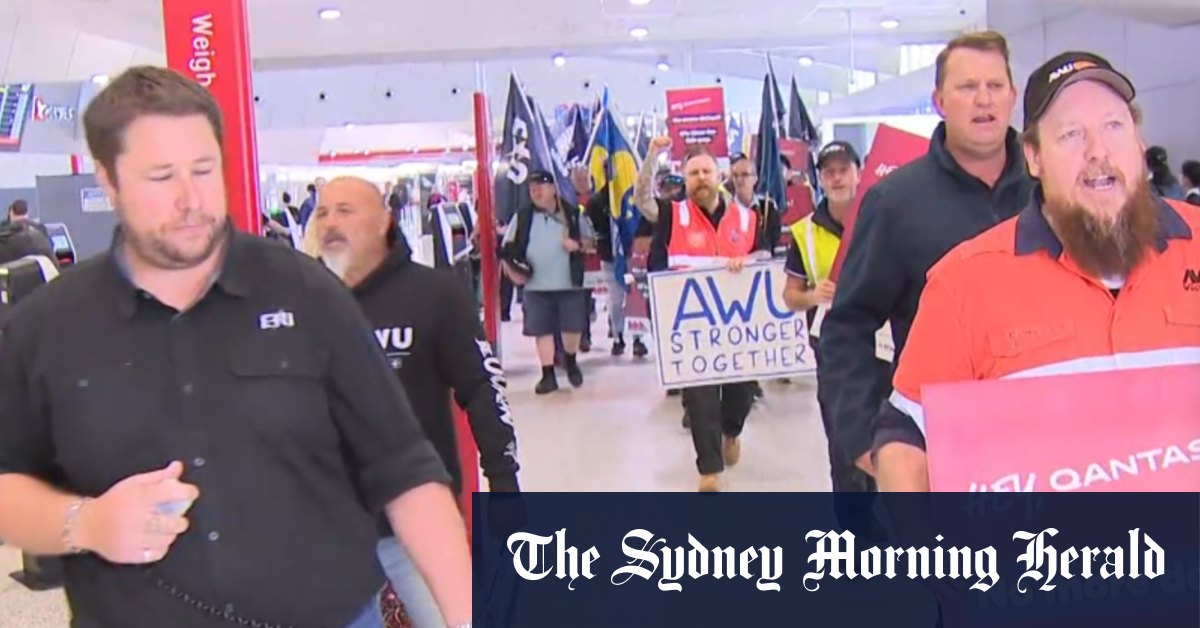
<point x="616" y="299"/>
<point x="410" y="587"/>
<point x="372" y="616"/>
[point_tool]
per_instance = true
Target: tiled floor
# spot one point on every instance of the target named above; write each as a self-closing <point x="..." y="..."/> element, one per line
<point x="617" y="433"/>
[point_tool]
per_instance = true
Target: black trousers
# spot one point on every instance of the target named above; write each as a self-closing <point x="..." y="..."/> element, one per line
<point x="854" y="512"/>
<point x="716" y="411"/>
<point x="845" y="476"/>
<point x="506" y="297"/>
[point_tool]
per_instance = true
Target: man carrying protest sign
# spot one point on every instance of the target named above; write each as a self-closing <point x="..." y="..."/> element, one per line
<point x="1106" y="270"/>
<point x="698" y="231"/>
<point x="972" y="178"/>
<point x="816" y="239"/>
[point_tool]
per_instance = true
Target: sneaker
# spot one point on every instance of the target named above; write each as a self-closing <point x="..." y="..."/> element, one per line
<point x="548" y="385"/>
<point x="585" y="345"/>
<point x="710" y="483"/>
<point x="574" y="375"/>
<point x="639" y="349"/>
<point x="732" y="450"/>
<point x="618" y="348"/>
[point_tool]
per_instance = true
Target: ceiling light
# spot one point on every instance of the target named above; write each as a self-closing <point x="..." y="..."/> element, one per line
<point x="330" y="14"/>
<point x="560" y="60"/>
<point x="805" y="61"/>
<point x="100" y="79"/>
<point x="349" y="126"/>
<point x="639" y="3"/>
<point x="639" y="32"/>
<point x="663" y="66"/>
<point x="631" y="121"/>
<point x="890" y="24"/>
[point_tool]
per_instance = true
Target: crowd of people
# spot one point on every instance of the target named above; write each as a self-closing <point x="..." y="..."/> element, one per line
<point x="184" y="415"/>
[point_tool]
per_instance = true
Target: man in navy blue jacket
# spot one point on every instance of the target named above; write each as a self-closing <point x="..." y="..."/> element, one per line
<point x="973" y="177"/>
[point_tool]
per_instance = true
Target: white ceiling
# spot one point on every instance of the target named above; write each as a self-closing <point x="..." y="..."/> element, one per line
<point x="423" y="51"/>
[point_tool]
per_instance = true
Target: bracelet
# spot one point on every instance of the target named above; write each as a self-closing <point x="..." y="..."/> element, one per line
<point x="68" y="535"/>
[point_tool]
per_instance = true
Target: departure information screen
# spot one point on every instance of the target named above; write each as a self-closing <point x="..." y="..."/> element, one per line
<point x="14" y="104"/>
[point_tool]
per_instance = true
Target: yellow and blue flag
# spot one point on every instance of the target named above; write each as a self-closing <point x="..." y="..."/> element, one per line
<point x="614" y="164"/>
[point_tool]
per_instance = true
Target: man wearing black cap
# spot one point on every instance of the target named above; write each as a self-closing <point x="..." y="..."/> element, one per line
<point x="1095" y="253"/>
<point x="543" y="250"/>
<point x="816" y="239"/>
<point x="972" y="178"/>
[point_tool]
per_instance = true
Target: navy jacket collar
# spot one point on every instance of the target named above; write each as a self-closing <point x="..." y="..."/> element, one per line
<point x="1014" y="165"/>
<point x="1034" y="233"/>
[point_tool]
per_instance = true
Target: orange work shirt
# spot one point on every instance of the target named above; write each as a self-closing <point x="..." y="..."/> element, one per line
<point x="1009" y="303"/>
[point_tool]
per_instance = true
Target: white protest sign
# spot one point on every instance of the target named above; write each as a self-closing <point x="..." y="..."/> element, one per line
<point x="713" y="326"/>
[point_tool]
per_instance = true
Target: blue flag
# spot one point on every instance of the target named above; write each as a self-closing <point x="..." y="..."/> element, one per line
<point x="524" y="147"/>
<point x="780" y="113"/>
<point x="614" y="163"/>
<point x="801" y="127"/>
<point x="737" y="134"/>
<point x="580" y="133"/>
<point x="769" y="162"/>
<point x="557" y="166"/>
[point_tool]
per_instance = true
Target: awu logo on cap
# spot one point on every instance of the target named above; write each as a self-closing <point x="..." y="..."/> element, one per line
<point x="1070" y="68"/>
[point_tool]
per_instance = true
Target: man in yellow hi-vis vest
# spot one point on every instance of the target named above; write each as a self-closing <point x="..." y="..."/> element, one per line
<point x="815" y="244"/>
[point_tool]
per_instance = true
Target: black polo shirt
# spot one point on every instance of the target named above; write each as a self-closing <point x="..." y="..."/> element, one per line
<point x="273" y="393"/>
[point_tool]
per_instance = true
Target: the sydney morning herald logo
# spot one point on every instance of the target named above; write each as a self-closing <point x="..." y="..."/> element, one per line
<point x="649" y="557"/>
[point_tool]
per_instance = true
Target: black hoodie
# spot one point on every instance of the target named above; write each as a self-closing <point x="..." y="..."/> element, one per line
<point x="427" y="324"/>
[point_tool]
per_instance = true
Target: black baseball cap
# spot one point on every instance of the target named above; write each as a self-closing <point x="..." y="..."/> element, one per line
<point x="672" y="179"/>
<point x="540" y="176"/>
<point x="838" y="150"/>
<point x="1069" y="67"/>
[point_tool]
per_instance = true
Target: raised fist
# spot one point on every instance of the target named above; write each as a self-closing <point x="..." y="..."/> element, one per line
<point x="659" y="144"/>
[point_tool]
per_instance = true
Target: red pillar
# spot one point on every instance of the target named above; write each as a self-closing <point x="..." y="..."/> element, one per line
<point x="490" y="284"/>
<point x="486" y="212"/>
<point x="209" y="41"/>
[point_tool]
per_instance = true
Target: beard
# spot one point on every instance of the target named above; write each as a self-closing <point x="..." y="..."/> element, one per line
<point x="1106" y="248"/>
<point x="158" y="250"/>
<point x="337" y="263"/>
<point x="336" y="259"/>
<point x="704" y="196"/>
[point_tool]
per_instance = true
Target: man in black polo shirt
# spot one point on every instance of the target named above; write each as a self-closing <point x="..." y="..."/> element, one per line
<point x="200" y="420"/>
<point x="973" y="178"/>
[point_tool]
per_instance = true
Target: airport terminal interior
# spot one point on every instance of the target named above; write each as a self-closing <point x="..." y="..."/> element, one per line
<point x="410" y="97"/>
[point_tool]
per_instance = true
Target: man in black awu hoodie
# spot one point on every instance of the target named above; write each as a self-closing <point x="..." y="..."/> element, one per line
<point x="427" y="324"/>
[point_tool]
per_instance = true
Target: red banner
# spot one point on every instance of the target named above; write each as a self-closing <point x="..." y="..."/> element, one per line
<point x="209" y="42"/>
<point x="799" y="196"/>
<point x="1122" y="431"/>
<point x="696" y="117"/>
<point x="891" y="149"/>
